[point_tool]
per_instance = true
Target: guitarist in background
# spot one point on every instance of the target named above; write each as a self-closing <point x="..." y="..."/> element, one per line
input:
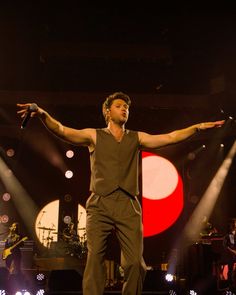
<point x="13" y="261"/>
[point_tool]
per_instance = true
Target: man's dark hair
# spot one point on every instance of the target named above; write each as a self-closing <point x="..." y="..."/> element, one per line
<point x="117" y="95"/>
<point x="108" y="102"/>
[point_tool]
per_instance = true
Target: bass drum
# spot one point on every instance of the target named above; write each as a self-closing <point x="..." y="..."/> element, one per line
<point x="69" y="236"/>
<point x="77" y="250"/>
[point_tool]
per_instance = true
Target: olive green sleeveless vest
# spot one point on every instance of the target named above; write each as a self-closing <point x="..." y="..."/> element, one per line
<point x="114" y="164"/>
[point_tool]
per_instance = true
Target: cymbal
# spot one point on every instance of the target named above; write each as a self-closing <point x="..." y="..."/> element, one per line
<point x="45" y="228"/>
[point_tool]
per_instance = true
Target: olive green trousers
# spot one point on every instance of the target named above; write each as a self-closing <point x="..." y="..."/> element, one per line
<point x="122" y="213"/>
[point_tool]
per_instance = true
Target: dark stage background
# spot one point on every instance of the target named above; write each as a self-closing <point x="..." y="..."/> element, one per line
<point x="177" y="65"/>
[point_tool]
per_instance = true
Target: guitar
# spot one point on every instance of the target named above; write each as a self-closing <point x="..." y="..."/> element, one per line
<point x="6" y="252"/>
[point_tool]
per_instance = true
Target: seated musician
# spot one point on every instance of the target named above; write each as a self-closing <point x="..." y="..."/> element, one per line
<point x="69" y="233"/>
<point x="207" y="229"/>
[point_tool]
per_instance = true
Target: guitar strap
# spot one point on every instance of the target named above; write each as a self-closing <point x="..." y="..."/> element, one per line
<point x="12" y="240"/>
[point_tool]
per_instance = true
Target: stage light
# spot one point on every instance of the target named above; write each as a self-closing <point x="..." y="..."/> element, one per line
<point x="40" y="292"/>
<point x="68" y="174"/>
<point x="40" y="279"/>
<point x="221" y="145"/>
<point x="10" y="153"/>
<point x="4" y="218"/>
<point x="203" y="146"/>
<point x="70" y="154"/>
<point x="6" y="197"/>
<point x="192" y="292"/>
<point x="169" y="277"/>
<point x="67" y="219"/>
<point x="23" y="292"/>
<point x="3" y="292"/>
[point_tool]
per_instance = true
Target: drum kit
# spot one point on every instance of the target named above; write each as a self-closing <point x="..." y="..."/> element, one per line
<point x="74" y="244"/>
<point x="46" y="239"/>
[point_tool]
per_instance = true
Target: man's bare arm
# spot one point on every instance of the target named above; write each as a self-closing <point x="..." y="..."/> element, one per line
<point x="85" y="137"/>
<point x="155" y="141"/>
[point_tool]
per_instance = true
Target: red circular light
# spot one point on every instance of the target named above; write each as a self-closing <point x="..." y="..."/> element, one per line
<point x="162" y="200"/>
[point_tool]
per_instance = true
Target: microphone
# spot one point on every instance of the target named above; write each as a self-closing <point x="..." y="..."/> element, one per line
<point x="32" y="108"/>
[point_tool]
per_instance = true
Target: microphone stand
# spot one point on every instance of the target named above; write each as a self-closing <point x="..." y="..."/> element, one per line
<point x="39" y="224"/>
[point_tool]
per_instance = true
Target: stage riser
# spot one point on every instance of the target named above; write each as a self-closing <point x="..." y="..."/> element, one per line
<point x="110" y="293"/>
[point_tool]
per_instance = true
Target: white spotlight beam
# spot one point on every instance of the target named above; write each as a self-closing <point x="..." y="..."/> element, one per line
<point x="206" y="205"/>
<point x="24" y="204"/>
<point x="48" y="150"/>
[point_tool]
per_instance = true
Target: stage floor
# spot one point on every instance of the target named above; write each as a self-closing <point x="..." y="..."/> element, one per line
<point x="63" y="276"/>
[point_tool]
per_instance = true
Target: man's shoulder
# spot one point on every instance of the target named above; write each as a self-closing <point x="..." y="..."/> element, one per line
<point x="133" y="133"/>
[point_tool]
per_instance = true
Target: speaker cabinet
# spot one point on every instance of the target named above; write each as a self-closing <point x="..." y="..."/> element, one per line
<point x="155" y="280"/>
<point x="64" y="280"/>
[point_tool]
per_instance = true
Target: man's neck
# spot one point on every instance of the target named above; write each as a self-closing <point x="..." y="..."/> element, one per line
<point x="115" y="128"/>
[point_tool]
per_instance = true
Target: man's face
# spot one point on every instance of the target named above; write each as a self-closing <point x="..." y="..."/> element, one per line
<point x="13" y="227"/>
<point x="119" y="111"/>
